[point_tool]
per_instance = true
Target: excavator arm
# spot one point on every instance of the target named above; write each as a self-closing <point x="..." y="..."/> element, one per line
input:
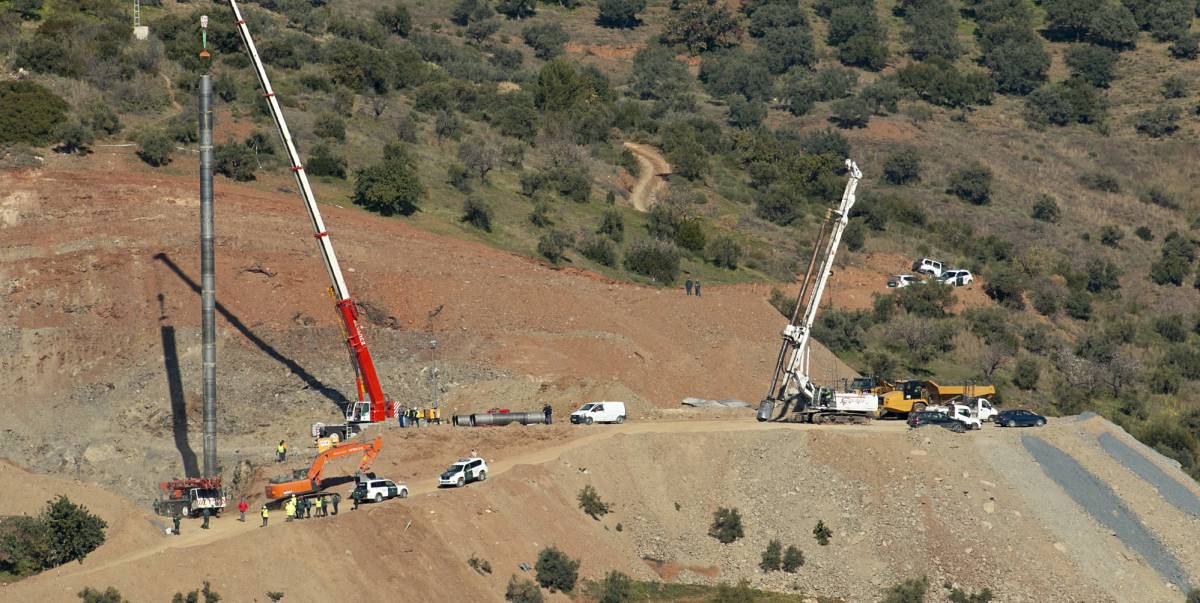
<point x="311" y="482"/>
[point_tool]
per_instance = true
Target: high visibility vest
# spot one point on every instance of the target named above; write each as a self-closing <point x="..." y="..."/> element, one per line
<point x="280" y="448"/>
<point x="318" y="503"/>
<point x="291" y="508"/>
<point x="264" y="512"/>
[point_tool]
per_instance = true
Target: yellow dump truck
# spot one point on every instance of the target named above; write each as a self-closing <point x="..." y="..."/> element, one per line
<point x="916" y="395"/>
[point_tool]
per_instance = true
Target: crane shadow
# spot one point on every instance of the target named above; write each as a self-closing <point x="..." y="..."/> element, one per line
<point x="292" y="366"/>
<point x="179" y="425"/>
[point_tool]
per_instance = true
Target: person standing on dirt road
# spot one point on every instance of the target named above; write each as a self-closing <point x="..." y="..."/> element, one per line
<point x="337" y="498"/>
<point x="697" y="288"/>
<point x="289" y="508"/>
<point x="687" y="286"/>
<point x="281" y="452"/>
<point x="320" y="503"/>
<point x="547" y="410"/>
<point x="265" y="514"/>
<point x="206" y="513"/>
<point x="242" y="506"/>
<point x="175" y="520"/>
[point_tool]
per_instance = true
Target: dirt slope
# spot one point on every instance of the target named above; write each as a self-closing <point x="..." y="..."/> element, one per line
<point x="101" y="324"/>
<point x="899" y="503"/>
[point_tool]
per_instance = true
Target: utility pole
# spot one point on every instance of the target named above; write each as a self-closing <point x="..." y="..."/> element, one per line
<point x="208" y="294"/>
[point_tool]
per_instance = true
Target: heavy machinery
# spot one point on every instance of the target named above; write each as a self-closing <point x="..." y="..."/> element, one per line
<point x="302" y="482"/>
<point x="916" y="395"/>
<point x="791" y="385"/>
<point x="378" y="408"/>
<point x="190" y="496"/>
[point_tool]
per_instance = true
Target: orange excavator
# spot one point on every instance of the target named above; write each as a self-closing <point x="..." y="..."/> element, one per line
<point x="303" y="482"/>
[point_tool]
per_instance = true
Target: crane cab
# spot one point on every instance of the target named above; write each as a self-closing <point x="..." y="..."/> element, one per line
<point x="358" y="412"/>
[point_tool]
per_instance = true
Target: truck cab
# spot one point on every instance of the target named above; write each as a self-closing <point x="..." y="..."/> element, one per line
<point x="962" y="413"/>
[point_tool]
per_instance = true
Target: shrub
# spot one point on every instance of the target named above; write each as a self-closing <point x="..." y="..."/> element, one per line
<point x="100" y="117"/>
<point x="546" y="39"/>
<point x="1144" y="233"/>
<point x="911" y="590"/>
<point x="851" y="112"/>
<point x="772" y="558"/>
<point x="822" y="533"/>
<point x="725" y="251"/>
<point x="658" y="260"/>
<point x="396" y="19"/>
<point x="615" y="588"/>
<point x="619" y="13"/>
<point x="1045" y="208"/>
<point x="902" y="167"/>
<point x="1174" y="87"/>
<point x="746" y="113"/>
<point x="522" y="591"/>
<point x="1045" y="300"/>
<point x="793" y="559"/>
<point x="479" y="156"/>
<point x="516" y="9"/>
<point x="599" y="249"/>
<point x="1015" y="56"/>
<point x="109" y="595"/>
<point x="940" y="83"/>
<point x="612" y="225"/>
<point x="1110" y="236"/>
<point x="1155" y="195"/>
<point x="477" y="213"/>
<point x="1158" y="122"/>
<point x="1026" y="374"/>
<point x="1092" y="63"/>
<point x="330" y="127"/>
<point x="458" y="176"/>
<point x="701" y="25"/>
<point x="540" y="216"/>
<point x="391" y="186"/>
<point x="1175" y="263"/>
<point x="62" y="533"/>
<point x="155" y="148"/>
<point x="1007" y="287"/>
<point x="590" y="503"/>
<point x="234" y="160"/>
<point x="1187" y="47"/>
<point x="324" y="162"/>
<point x="727" y="525"/>
<point x="554" y="244"/>
<point x="1193" y="596"/>
<point x="1102" y="181"/>
<point x="1078" y="305"/>
<point x="29" y="113"/>
<point x="483" y="566"/>
<point x="972" y="183"/>
<point x="556" y="571"/>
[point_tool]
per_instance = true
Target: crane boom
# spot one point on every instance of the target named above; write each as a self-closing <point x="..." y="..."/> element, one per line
<point x="379" y="408"/>
<point x="791" y="379"/>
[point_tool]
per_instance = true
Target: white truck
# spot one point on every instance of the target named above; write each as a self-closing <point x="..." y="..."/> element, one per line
<point x="472" y="469"/>
<point x="970" y="411"/>
<point x="599" y="412"/>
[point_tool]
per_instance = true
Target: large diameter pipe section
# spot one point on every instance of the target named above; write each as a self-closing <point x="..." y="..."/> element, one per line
<point x="208" y="293"/>
<point x="524" y="418"/>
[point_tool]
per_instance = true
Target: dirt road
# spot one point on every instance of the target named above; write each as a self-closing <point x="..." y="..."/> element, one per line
<point x="651" y="178"/>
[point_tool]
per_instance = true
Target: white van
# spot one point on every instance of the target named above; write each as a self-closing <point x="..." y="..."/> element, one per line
<point x="599" y="412"/>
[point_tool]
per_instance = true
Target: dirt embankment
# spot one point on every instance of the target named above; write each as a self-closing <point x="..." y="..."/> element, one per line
<point x="929" y="502"/>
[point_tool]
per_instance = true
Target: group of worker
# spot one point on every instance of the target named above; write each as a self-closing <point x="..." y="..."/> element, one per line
<point x="419" y="415"/>
<point x="306" y="508"/>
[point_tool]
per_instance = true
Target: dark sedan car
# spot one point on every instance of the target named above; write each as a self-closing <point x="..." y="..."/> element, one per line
<point x="932" y="417"/>
<point x="1018" y="417"/>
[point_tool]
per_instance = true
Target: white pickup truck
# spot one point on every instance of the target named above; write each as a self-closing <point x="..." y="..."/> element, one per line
<point x="971" y="412"/>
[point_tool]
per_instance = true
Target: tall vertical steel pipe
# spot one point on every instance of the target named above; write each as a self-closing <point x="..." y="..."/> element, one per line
<point x="207" y="280"/>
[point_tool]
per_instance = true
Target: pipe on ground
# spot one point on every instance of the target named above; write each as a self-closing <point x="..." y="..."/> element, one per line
<point x="483" y="419"/>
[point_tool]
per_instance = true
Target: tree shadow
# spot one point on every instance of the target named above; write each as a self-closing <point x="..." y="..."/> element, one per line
<point x="317" y="385"/>
<point x="179" y="425"/>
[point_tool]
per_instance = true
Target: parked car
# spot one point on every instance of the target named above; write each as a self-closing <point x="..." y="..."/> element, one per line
<point x="1019" y="417"/>
<point x="929" y="266"/>
<point x="933" y="417"/>
<point x="899" y="281"/>
<point x="957" y="277"/>
<point x="463" y="471"/>
<point x="378" y="490"/>
<point x="599" y="412"/>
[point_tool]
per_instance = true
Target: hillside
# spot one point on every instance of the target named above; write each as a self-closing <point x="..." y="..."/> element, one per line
<point x="1045" y="153"/>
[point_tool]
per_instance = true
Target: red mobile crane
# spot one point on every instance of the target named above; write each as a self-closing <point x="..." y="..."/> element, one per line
<point x="378" y="408"/>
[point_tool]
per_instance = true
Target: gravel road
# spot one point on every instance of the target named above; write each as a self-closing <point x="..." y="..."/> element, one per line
<point x="1099" y="500"/>
<point x="1168" y="487"/>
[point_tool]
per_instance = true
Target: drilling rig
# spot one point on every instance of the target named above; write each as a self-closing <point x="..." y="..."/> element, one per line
<point x="791" y="385"/>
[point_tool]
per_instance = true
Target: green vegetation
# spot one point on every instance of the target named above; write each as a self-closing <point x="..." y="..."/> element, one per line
<point x="205" y="593"/>
<point x="108" y="595"/>
<point x="556" y="571"/>
<point x="63" y="532"/>
<point x="822" y="533"/>
<point x="522" y="590"/>
<point x="727" y="525"/>
<point x="911" y="590"/>
<point x="29" y="113"/>
<point x="590" y="503"/>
